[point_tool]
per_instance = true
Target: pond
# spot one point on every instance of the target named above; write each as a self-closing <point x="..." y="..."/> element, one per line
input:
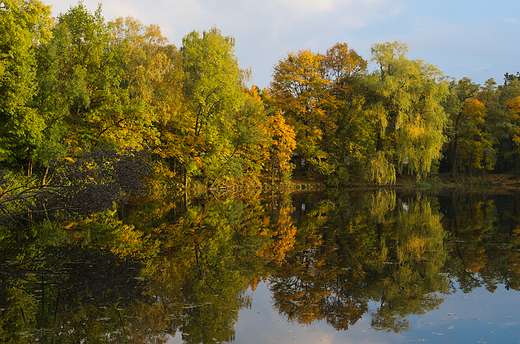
<point x="308" y="267"/>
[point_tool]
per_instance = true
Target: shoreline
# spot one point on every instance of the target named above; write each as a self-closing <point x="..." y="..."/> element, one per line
<point x="439" y="182"/>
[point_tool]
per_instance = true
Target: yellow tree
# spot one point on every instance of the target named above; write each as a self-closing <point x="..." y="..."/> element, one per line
<point x="280" y="141"/>
<point x="153" y="76"/>
<point x="281" y="147"/>
<point x="318" y="95"/>
<point x="300" y="90"/>
<point x="466" y="114"/>
<point x="404" y="104"/>
<point x="513" y="116"/>
<point x="476" y="145"/>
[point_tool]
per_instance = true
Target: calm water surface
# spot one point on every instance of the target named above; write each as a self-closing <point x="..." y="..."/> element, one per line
<point x="478" y="317"/>
<point x="343" y="267"/>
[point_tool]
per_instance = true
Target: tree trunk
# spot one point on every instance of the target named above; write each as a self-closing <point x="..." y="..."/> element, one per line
<point x="186" y="179"/>
<point x="44" y="179"/>
<point x="454" y="154"/>
<point x="514" y="166"/>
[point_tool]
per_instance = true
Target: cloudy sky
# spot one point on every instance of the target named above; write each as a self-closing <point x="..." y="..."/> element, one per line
<point x="479" y="39"/>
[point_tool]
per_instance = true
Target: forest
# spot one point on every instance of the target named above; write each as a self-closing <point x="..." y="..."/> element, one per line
<point x="103" y="124"/>
<point x="81" y="93"/>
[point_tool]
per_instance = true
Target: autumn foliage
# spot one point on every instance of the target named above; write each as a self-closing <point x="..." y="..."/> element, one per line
<point x="88" y="83"/>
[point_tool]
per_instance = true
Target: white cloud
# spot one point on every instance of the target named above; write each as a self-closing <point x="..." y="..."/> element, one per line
<point x="480" y="69"/>
<point x="508" y="19"/>
<point x="304" y="6"/>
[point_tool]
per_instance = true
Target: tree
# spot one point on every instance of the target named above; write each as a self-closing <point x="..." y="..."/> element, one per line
<point x="85" y="75"/>
<point x="496" y="125"/>
<point x="300" y="90"/>
<point x="281" y="148"/>
<point x="315" y="93"/>
<point x="347" y="147"/>
<point x="476" y="144"/>
<point x="404" y="103"/>
<point x="511" y="99"/>
<point x="214" y="92"/>
<point x="460" y="91"/>
<point x="93" y="76"/>
<point x="24" y="25"/>
<point x="341" y="64"/>
<point x="152" y="76"/>
<point x="250" y="139"/>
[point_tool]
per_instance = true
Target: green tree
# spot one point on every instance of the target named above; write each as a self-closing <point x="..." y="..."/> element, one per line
<point x="85" y="74"/>
<point x="404" y="104"/>
<point x="465" y="112"/>
<point x="348" y="146"/>
<point x="152" y="76"/>
<point x="24" y="25"/>
<point x="54" y="96"/>
<point x="511" y="99"/>
<point x="93" y="78"/>
<point x="496" y="124"/>
<point x="214" y="92"/>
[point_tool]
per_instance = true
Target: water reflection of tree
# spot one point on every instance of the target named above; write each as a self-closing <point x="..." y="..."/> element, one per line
<point x="67" y="293"/>
<point x="211" y="252"/>
<point x="353" y="251"/>
<point x="185" y="266"/>
<point x="484" y="240"/>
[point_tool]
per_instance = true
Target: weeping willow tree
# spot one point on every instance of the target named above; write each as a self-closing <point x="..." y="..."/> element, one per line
<point x="404" y="106"/>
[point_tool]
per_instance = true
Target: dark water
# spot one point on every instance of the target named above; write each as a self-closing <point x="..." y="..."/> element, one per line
<point x="343" y="267"/>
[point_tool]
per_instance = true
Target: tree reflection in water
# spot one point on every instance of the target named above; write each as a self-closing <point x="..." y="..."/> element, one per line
<point x="484" y="239"/>
<point x="169" y="266"/>
<point x="354" y="251"/>
<point x="69" y="294"/>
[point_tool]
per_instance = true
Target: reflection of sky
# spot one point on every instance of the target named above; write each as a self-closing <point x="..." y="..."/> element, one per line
<point x="477" y="317"/>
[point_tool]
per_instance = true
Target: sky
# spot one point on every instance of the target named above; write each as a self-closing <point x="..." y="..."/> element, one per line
<point x="478" y="39"/>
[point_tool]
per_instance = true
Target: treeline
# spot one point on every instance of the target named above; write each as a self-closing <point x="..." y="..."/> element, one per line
<point x="77" y="83"/>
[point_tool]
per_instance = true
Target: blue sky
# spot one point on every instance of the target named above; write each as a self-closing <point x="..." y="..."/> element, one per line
<point x="476" y="39"/>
